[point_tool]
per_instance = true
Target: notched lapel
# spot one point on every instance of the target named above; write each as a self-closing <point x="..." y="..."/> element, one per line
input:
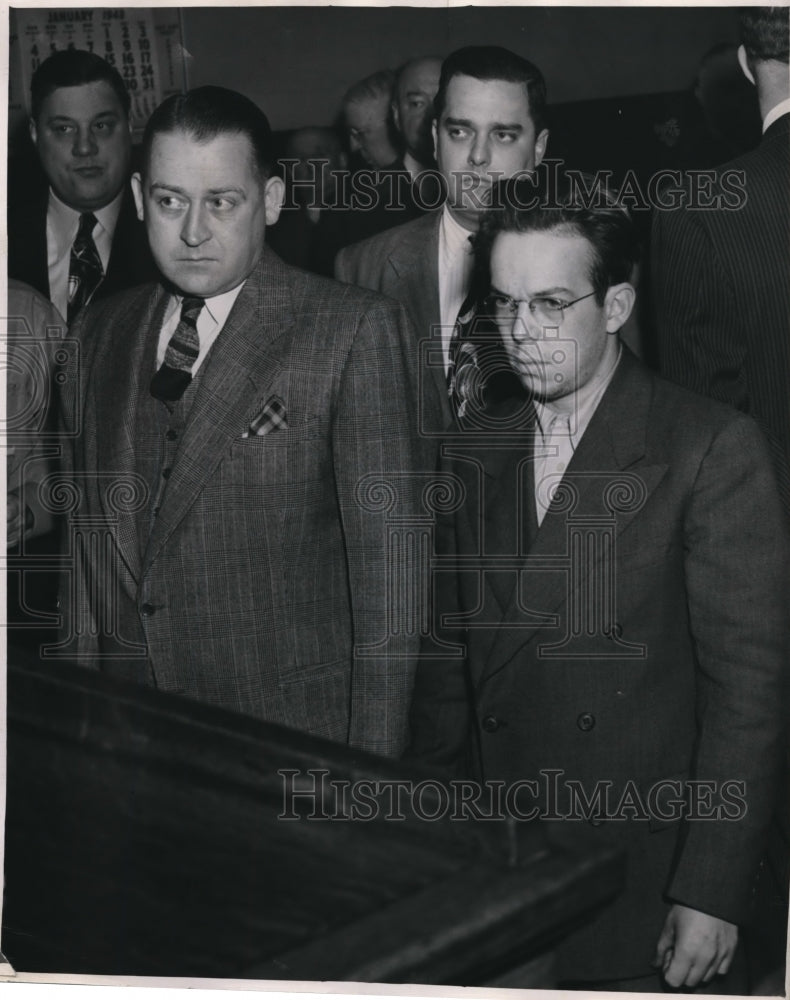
<point x="240" y="371"/>
<point x="606" y="486"/>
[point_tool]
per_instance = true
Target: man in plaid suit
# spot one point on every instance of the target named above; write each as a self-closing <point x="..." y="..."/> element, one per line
<point x="238" y="422"/>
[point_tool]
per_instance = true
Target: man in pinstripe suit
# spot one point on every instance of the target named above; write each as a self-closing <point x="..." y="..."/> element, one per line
<point x="720" y="285"/>
<point x="234" y="410"/>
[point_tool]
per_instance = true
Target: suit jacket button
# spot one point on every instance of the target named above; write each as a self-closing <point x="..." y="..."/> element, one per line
<point x="146" y="610"/>
<point x="586" y="721"/>
<point x="166" y="473"/>
<point x="171" y="435"/>
<point x="491" y="723"/>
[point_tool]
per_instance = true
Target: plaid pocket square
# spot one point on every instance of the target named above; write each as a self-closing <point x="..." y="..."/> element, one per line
<point x="272" y="417"/>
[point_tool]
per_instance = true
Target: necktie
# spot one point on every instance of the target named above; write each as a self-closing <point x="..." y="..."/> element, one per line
<point x="172" y="379"/>
<point x="85" y="270"/>
<point x="550" y="468"/>
<point x="462" y="370"/>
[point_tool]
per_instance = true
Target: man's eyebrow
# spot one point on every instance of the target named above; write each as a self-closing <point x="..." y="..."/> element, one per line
<point x="495" y="126"/>
<point x="212" y="192"/>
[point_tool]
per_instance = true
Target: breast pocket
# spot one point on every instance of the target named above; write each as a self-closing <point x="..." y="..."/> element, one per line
<point x="284" y="455"/>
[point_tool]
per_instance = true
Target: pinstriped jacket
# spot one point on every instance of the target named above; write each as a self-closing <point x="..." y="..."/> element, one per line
<point x="266" y="571"/>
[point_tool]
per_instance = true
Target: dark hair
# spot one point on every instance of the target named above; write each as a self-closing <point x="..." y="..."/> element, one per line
<point x="491" y="62"/>
<point x="73" y="68"/>
<point x="577" y="204"/>
<point x="765" y="32"/>
<point x="205" y="113"/>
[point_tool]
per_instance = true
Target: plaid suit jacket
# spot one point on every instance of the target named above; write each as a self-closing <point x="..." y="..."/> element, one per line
<point x="266" y="573"/>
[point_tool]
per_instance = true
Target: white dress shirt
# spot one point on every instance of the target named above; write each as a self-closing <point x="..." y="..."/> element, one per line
<point x="559" y="431"/>
<point x="210" y="322"/>
<point x="62" y="226"/>
<point x="455" y="270"/>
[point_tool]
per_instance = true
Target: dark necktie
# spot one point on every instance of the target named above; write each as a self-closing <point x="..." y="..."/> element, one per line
<point x="85" y="270"/>
<point x="172" y="379"/>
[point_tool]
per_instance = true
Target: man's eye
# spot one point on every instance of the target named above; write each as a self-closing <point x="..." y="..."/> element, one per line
<point x="170" y="202"/>
<point x="506" y="136"/>
<point x="417" y="103"/>
<point x="222" y="204"/>
<point x="62" y="129"/>
<point x="456" y="132"/>
<point x="549" y="304"/>
<point x="103" y="126"/>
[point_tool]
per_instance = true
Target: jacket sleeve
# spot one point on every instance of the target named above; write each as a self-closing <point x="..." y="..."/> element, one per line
<point x="736" y="568"/>
<point x="382" y="464"/>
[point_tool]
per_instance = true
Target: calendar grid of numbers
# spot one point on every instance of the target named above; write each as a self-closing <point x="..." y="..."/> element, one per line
<point x="127" y="38"/>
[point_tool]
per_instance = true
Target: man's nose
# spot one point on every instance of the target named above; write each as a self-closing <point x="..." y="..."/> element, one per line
<point x="525" y="325"/>
<point x="195" y="229"/>
<point x="480" y="153"/>
<point x="85" y="143"/>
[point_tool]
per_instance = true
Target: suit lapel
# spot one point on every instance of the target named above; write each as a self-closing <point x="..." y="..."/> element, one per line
<point x="119" y="376"/>
<point x="607" y="470"/>
<point x="240" y="368"/>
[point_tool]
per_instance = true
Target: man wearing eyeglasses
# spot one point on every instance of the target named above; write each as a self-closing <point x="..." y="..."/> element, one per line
<point x="620" y="560"/>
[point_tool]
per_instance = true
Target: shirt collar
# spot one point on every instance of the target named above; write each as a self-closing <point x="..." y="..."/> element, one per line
<point x="66" y="220"/>
<point x="456" y="238"/>
<point x="217" y="306"/>
<point x="583" y="403"/>
<point x="782" y="108"/>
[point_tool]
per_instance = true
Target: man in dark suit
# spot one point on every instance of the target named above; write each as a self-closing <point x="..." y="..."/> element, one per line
<point x="490" y="111"/>
<point x="619" y="602"/>
<point x="79" y="237"/>
<point x="247" y="426"/>
<point x="720" y="288"/>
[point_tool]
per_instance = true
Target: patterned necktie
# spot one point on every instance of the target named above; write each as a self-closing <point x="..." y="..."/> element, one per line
<point x="85" y="270"/>
<point x="462" y="370"/>
<point x="172" y="379"/>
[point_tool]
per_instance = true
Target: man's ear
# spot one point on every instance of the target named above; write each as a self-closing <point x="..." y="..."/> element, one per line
<point x="33" y="131"/>
<point x="137" y="191"/>
<point x="540" y="146"/>
<point x="395" y="114"/>
<point x="618" y="304"/>
<point x="273" y="195"/>
<point x="435" y="134"/>
<point x="743" y="59"/>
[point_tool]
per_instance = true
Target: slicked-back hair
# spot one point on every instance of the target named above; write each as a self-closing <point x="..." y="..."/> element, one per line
<point x="74" y="68"/>
<point x="205" y="113"/>
<point x="589" y="209"/>
<point x="492" y="62"/>
<point x="765" y="32"/>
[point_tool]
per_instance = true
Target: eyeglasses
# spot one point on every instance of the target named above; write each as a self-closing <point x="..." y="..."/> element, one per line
<point x="548" y="310"/>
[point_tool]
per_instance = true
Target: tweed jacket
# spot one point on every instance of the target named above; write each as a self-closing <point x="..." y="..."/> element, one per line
<point x="404" y="263"/>
<point x="264" y="583"/>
